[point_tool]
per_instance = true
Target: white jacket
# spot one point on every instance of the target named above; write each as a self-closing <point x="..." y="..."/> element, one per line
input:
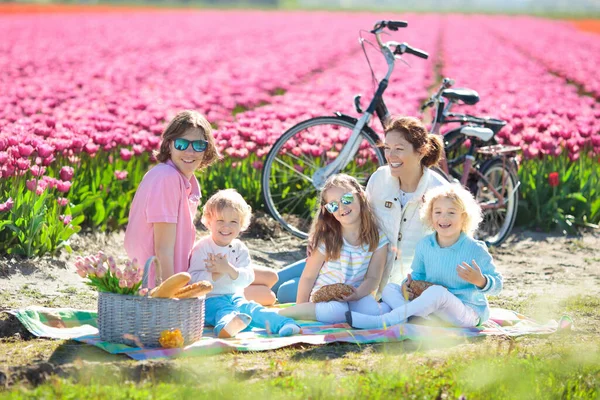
<point x="401" y="225"/>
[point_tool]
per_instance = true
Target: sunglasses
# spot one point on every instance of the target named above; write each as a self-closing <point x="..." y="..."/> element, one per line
<point x="182" y="144"/>
<point x="346" y="199"/>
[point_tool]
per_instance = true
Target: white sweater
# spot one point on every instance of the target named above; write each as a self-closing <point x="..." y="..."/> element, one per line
<point x="399" y="224"/>
<point x="237" y="254"/>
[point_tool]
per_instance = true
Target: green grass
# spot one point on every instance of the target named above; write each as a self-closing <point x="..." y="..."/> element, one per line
<point x="547" y="371"/>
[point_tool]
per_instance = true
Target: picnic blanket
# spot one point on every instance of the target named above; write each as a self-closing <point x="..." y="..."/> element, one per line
<point x="81" y="325"/>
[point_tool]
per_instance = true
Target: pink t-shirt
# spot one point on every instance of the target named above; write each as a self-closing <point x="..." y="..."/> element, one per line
<point x="164" y="195"/>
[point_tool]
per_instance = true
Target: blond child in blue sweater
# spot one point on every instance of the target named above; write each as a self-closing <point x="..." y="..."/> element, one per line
<point x="460" y="267"/>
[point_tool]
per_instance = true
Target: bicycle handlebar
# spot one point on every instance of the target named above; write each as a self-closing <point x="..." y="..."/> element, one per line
<point x="428" y="104"/>
<point x="394" y="25"/>
<point x="405" y="48"/>
<point x="391" y="25"/>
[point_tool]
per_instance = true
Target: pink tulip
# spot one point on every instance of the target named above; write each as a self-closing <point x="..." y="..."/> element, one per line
<point x="62" y="201"/>
<point x="122" y="283"/>
<point x="31" y="185"/>
<point x="112" y="264"/>
<point x="66" y="219"/>
<point x="7" y="205"/>
<point x="121" y="175"/>
<point x="63" y="186"/>
<point x="102" y="256"/>
<point x="48" y="160"/>
<point x="45" y="150"/>
<point x="91" y="148"/>
<point x="125" y="154"/>
<point x="66" y="173"/>
<point x="25" y="150"/>
<point x="23" y="164"/>
<point x="38" y="171"/>
<point x="101" y="271"/>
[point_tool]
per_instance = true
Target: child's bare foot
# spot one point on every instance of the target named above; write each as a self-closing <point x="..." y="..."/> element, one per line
<point x="235" y="326"/>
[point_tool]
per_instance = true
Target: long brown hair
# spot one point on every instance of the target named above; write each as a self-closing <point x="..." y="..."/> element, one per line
<point x="328" y="230"/>
<point x="177" y="128"/>
<point x="415" y="133"/>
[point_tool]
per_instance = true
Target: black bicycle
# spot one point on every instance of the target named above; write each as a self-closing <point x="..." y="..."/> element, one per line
<point x="475" y="159"/>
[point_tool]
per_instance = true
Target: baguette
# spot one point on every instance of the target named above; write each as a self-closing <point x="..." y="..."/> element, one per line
<point x="197" y="289"/>
<point x="168" y="288"/>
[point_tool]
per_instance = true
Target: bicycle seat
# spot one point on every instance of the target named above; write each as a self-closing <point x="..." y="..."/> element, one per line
<point x="467" y="96"/>
<point x="480" y="132"/>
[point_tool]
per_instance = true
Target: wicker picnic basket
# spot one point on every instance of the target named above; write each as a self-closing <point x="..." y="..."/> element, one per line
<point x="139" y="320"/>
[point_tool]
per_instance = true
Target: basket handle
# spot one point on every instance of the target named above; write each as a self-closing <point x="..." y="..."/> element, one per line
<point x="157" y="271"/>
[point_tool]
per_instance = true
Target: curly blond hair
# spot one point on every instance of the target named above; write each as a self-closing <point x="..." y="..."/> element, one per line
<point x="464" y="201"/>
<point x="223" y="199"/>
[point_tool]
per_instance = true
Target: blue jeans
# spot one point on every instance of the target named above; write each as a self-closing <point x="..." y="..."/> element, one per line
<point x="220" y="310"/>
<point x="286" y="287"/>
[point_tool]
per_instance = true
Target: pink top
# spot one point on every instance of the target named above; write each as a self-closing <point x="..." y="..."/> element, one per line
<point x="164" y="195"/>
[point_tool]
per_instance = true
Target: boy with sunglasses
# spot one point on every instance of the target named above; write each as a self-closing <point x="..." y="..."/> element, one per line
<point x="349" y="249"/>
<point x="161" y="218"/>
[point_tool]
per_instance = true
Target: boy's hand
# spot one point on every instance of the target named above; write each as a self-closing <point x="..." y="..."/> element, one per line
<point x="471" y="274"/>
<point x="218" y="264"/>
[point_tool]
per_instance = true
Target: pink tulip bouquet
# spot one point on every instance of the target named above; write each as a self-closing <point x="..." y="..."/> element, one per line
<point x="104" y="275"/>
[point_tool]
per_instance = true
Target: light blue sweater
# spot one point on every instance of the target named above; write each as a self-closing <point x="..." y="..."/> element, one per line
<point x="437" y="265"/>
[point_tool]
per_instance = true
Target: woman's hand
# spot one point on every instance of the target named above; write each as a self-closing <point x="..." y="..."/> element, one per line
<point x="471" y="274"/>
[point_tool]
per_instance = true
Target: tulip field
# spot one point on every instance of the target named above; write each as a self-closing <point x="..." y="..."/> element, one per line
<point x="85" y="96"/>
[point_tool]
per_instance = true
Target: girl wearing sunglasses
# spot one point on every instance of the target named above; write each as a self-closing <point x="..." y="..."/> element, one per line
<point x="348" y="248"/>
<point x="161" y="218"/>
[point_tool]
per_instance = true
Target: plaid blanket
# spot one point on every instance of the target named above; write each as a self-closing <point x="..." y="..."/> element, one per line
<point x="81" y="325"/>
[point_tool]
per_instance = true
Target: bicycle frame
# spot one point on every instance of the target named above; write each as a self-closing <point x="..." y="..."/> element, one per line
<point x="376" y="106"/>
<point x="352" y="145"/>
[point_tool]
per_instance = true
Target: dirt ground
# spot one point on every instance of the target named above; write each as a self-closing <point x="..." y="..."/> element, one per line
<point x="539" y="270"/>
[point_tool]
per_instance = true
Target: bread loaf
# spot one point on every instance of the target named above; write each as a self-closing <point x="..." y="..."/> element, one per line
<point x="332" y="292"/>
<point x="197" y="289"/>
<point x="168" y="288"/>
<point x="418" y="287"/>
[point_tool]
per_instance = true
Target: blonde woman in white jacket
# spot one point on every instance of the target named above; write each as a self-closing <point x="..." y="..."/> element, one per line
<point x="395" y="193"/>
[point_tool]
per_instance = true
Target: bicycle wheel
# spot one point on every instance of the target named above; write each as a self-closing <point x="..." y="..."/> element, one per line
<point x="287" y="178"/>
<point x="497" y="221"/>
